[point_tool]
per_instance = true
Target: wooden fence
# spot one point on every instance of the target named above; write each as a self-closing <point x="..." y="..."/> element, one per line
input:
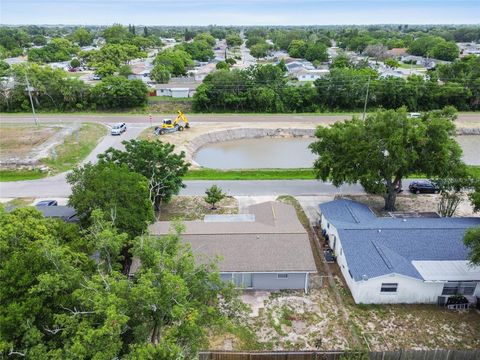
<point x="339" y="355"/>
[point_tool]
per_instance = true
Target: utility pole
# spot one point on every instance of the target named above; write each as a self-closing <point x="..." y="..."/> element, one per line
<point x="31" y="100"/>
<point x="366" y="99"/>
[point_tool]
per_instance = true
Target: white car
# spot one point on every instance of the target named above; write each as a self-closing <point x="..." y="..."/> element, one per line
<point x="118" y="129"/>
<point x="414" y="115"/>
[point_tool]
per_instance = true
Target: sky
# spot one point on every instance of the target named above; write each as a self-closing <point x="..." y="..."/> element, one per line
<point x="239" y="12"/>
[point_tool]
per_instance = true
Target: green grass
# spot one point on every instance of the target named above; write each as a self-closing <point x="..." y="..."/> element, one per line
<point x="72" y="151"/>
<point x="17" y="175"/>
<point x="76" y="147"/>
<point x="250" y="174"/>
<point x="277" y="174"/>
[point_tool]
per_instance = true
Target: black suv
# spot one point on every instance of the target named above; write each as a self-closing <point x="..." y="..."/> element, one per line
<point x="423" y="186"/>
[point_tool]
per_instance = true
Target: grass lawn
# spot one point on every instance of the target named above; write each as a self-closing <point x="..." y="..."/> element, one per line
<point x="72" y="151"/>
<point x="275" y="174"/>
<point x="76" y="147"/>
<point x="250" y="174"/>
<point x="168" y="98"/>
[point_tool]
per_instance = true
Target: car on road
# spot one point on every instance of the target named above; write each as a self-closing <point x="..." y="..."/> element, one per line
<point x="47" y="203"/>
<point x="96" y="77"/>
<point x="118" y="129"/>
<point x="424" y="187"/>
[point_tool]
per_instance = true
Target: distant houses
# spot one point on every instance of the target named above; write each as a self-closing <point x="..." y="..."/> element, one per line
<point x="400" y="260"/>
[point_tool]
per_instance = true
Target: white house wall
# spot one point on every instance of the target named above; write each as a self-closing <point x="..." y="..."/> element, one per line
<point x="409" y="290"/>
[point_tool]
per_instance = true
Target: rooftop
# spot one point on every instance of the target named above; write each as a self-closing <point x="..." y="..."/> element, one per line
<point x="274" y="241"/>
<point x="376" y="246"/>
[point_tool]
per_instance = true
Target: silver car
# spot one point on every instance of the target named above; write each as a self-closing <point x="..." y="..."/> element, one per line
<point x="118" y="129"/>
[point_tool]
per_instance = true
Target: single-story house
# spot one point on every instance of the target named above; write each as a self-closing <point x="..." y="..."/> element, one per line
<point x="65" y="213"/>
<point x="265" y="249"/>
<point x="309" y="75"/>
<point x="177" y="89"/>
<point x="400" y="260"/>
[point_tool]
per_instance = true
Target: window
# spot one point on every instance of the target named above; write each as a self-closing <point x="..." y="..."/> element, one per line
<point x="242" y="280"/>
<point x="282" y="276"/>
<point x="459" y="288"/>
<point x="389" y="287"/>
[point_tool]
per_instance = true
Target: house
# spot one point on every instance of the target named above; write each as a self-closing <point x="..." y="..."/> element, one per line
<point x="397" y="52"/>
<point x="400" y="260"/>
<point x="264" y="249"/>
<point x="178" y="87"/>
<point x="309" y="75"/>
<point x="65" y="213"/>
<point x="294" y="65"/>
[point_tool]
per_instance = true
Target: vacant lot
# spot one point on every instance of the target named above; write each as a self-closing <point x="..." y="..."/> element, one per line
<point x="195" y="208"/>
<point x="18" y="141"/>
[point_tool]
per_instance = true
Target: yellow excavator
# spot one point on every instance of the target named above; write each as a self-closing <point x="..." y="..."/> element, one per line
<point x="179" y="124"/>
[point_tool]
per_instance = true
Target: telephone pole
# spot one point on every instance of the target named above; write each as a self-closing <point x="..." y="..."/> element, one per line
<point x="366" y="99"/>
<point x="31" y="100"/>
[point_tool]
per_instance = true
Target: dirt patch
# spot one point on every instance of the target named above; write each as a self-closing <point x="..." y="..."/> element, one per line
<point x="195" y="208"/>
<point x="412" y="203"/>
<point x="18" y="141"/>
<point x="293" y="320"/>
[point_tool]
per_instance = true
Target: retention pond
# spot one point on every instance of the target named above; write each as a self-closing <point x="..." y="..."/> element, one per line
<point x="284" y="153"/>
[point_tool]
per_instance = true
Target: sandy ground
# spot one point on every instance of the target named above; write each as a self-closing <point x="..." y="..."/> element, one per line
<point x="18" y="141"/>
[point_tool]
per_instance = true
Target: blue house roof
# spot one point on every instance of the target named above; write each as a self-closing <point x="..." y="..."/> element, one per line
<point x="376" y="246"/>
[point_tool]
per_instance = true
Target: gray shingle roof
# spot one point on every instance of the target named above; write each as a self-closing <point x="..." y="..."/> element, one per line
<point x="376" y="246"/>
<point x="275" y="241"/>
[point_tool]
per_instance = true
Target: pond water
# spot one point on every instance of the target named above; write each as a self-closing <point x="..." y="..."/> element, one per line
<point x="284" y="153"/>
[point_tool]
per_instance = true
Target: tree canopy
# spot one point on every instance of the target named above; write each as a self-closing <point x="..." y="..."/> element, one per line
<point x="156" y="161"/>
<point x="59" y="301"/>
<point x="389" y="146"/>
<point x="121" y="194"/>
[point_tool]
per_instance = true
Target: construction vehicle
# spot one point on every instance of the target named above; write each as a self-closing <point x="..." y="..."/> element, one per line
<point x="179" y="124"/>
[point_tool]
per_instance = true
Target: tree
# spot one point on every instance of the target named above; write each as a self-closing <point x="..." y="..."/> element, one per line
<point x="57" y="49"/>
<point x="106" y="69"/>
<point x="260" y="50"/>
<point x="377" y="51"/>
<point x="117" y="92"/>
<point x="446" y="50"/>
<point x="125" y="71"/>
<point x="121" y="194"/>
<point x="157" y="162"/>
<point x="145" y="31"/>
<point x="475" y="196"/>
<point x="451" y="192"/>
<point x="214" y="196"/>
<point x="222" y="65"/>
<point x="472" y="241"/>
<point x="388" y="147"/>
<point x="41" y="266"/>
<point x="297" y="49"/>
<point x="116" y="34"/>
<point x="316" y="52"/>
<point x="75" y="63"/>
<point x="233" y="39"/>
<point x="82" y="36"/>
<point x="160" y="74"/>
<point x="391" y="63"/>
<point x="176" y="61"/>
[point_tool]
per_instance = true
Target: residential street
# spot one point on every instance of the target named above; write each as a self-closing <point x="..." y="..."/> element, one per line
<point x="463" y="119"/>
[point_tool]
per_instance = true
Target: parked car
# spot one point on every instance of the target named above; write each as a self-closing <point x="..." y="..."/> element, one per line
<point x="424" y="186"/>
<point x="118" y="129"/>
<point x="96" y="77"/>
<point x="414" y="115"/>
<point x="47" y="203"/>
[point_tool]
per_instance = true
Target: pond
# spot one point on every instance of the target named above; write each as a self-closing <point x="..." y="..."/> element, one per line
<point x="284" y="153"/>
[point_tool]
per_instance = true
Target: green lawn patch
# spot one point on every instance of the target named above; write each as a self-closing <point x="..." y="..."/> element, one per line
<point x="75" y="147"/>
<point x="251" y="174"/>
<point x="71" y="152"/>
<point x="16" y="175"/>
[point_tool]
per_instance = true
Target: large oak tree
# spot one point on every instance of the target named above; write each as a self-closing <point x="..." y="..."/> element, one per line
<point x="387" y="147"/>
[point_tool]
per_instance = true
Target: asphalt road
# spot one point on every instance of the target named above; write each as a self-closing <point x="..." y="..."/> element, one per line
<point x="463" y="119"/>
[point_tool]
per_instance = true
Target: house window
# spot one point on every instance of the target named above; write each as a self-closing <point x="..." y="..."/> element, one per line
<point x="389" y="287"/>
<point x="282" y="276"/>
<point x="242" y="280"/>
<point x="459" y="288"/>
